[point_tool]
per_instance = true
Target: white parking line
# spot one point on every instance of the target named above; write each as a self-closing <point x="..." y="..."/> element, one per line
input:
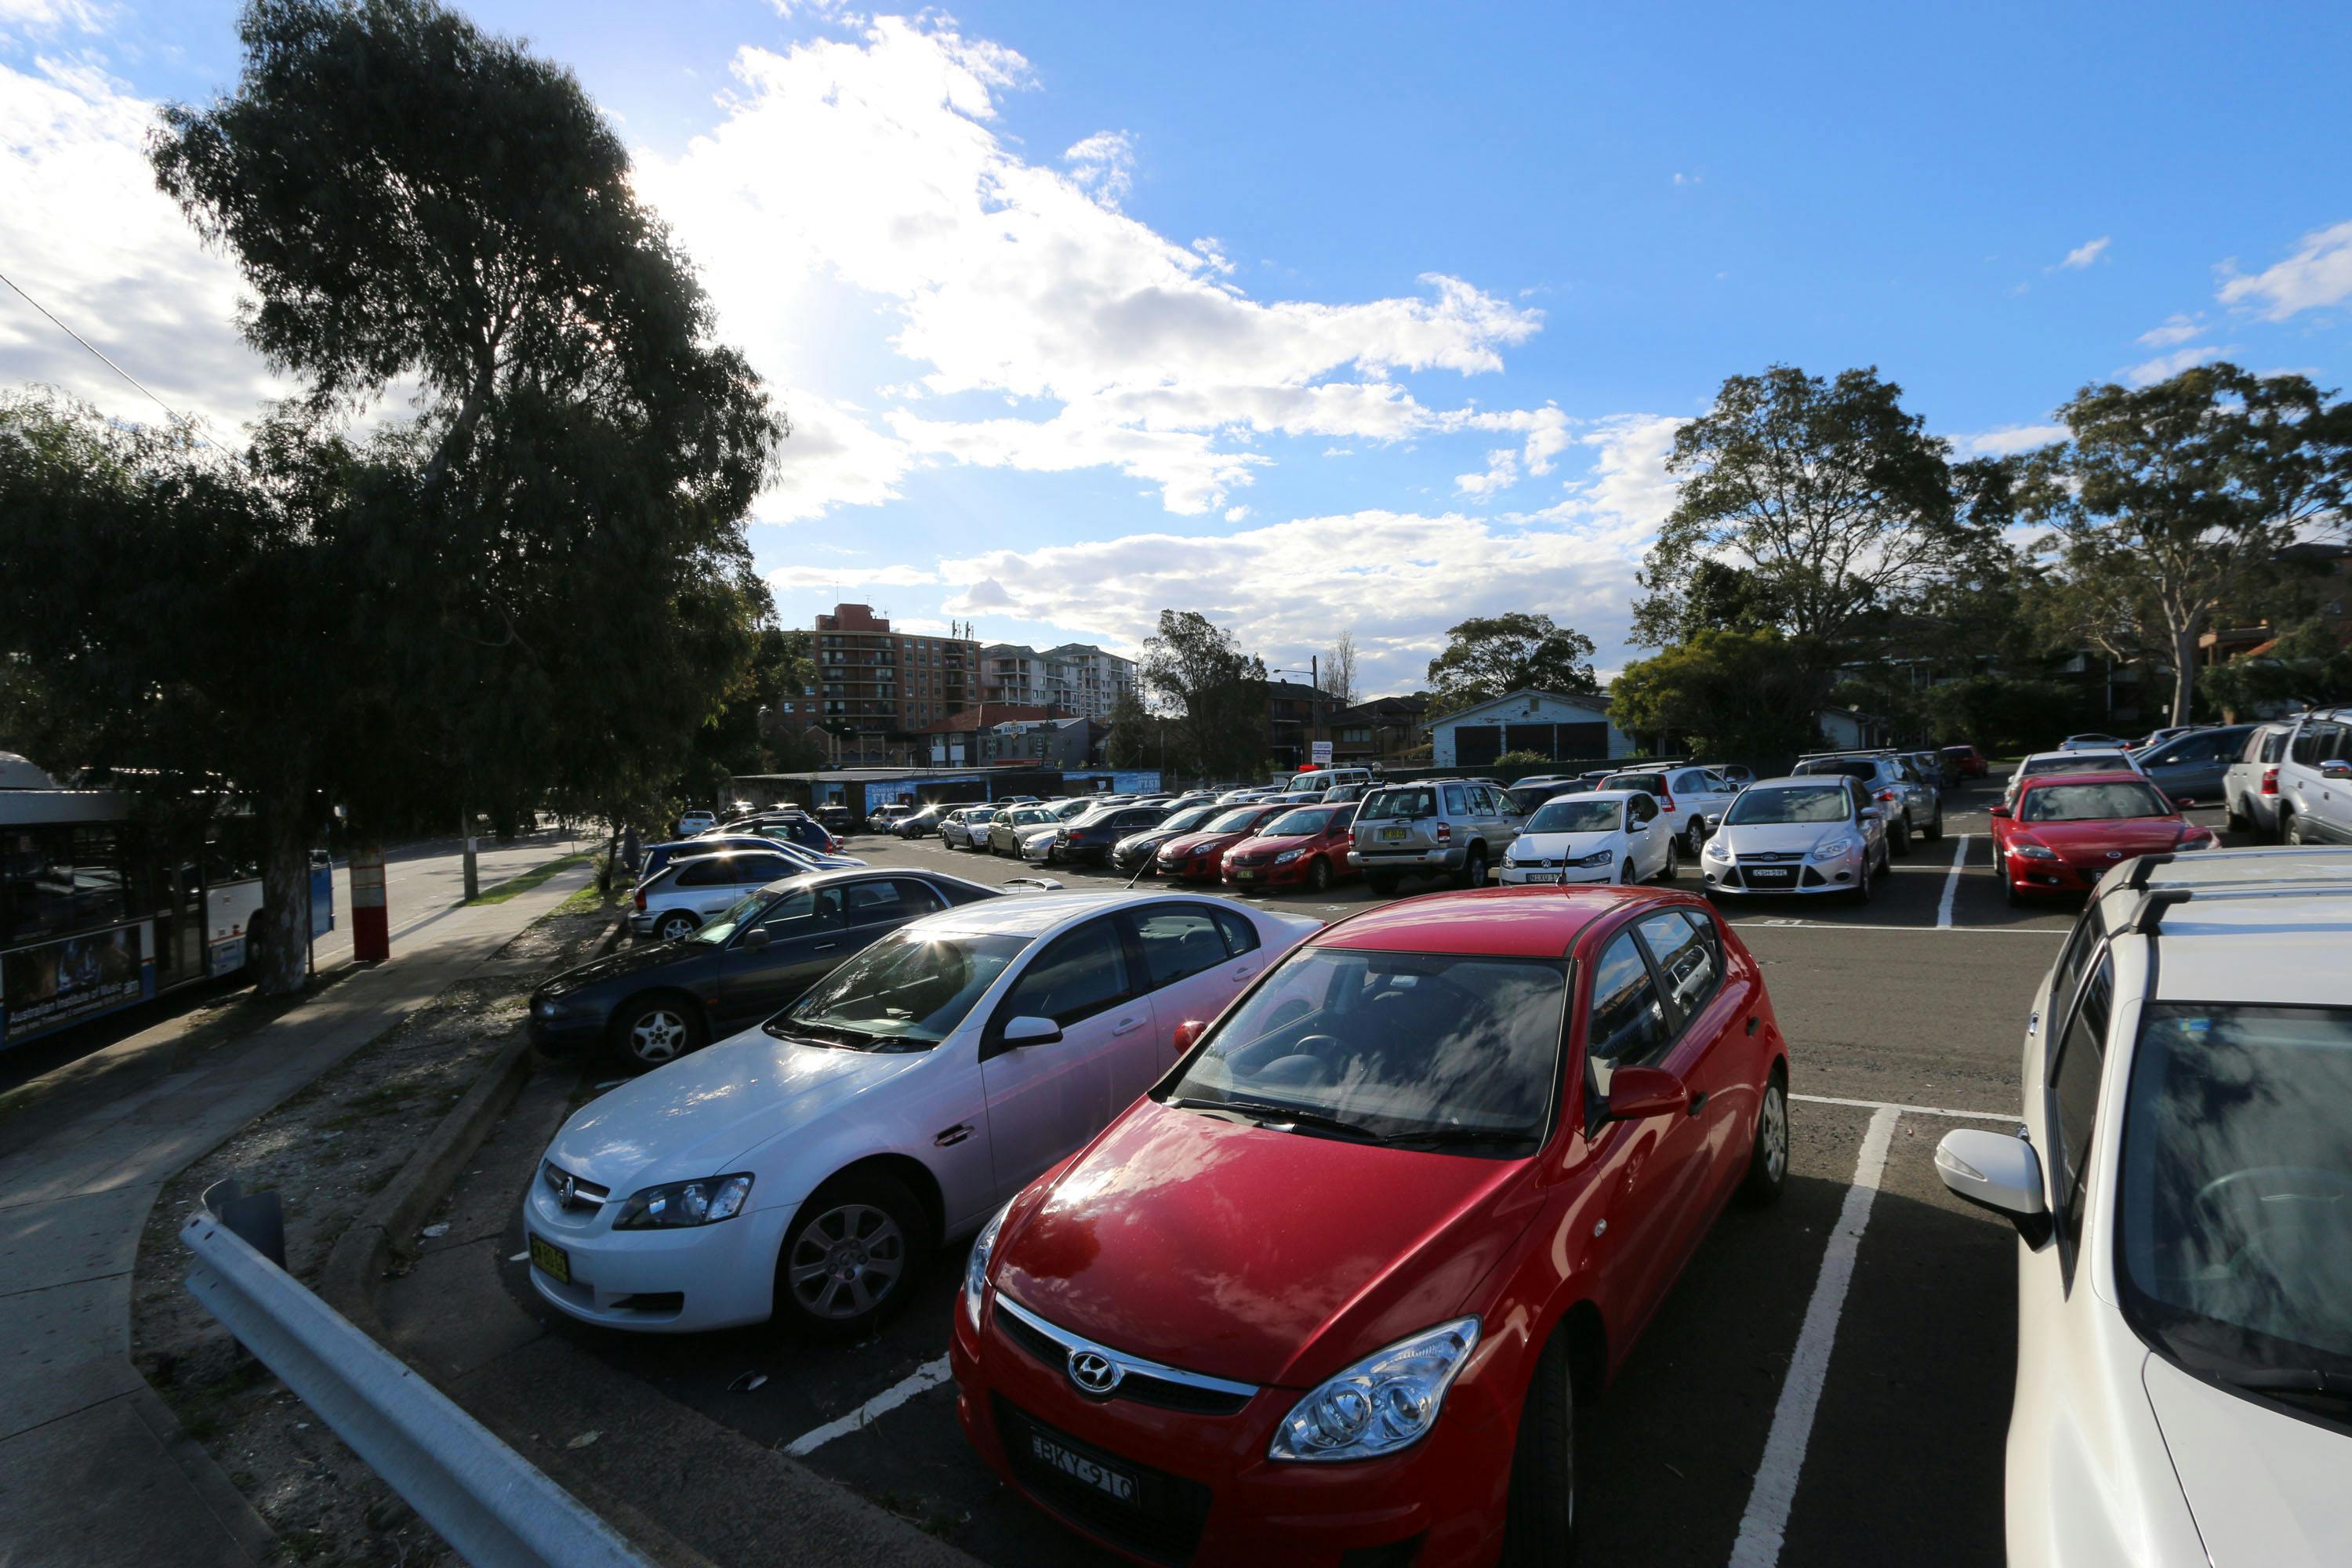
<point x="1908" y="1109"/>
<point x="929" y="1375"/>
<point x="1952" y="882"/>
<point x="1767" y="1518"/>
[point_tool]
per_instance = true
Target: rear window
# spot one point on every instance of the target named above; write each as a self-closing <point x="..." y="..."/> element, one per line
<point x="1846" y="767"/>
<point x="1399" y="806"/>
<point x="1650" y="784"/>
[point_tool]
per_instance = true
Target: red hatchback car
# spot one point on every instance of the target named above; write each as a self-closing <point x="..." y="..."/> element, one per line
<point x="1305" y="845"/>
<point x="1330" y="1291"/>
<point x="1201" y="856"/>
<point x="2065" y="830"/>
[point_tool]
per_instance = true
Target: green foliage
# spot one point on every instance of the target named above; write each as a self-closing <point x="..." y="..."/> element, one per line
<point x="2309" y="666"/>
<point x="1488" y="657"/>
<point x="1522" y="759"/>
<point x="1805" y="504"/>
<point x="1729" y="693"/>
<point x="1215" y="693"/>
<point x="1128" y="743"/>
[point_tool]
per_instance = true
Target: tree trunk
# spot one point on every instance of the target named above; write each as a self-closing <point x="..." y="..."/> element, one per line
<point x="2184" y="670"/>
<point x="279" y="937"/>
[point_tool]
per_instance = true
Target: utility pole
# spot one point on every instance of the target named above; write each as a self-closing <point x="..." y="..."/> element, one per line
<point x="473" y="871"/>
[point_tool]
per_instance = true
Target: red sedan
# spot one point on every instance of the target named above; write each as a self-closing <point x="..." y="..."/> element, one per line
<point x="1201" y="856"/>
<point x="2066" y="829"/>
<point x="1307" y="845"/>
<point x="1965" y="762"/>
<point x="1330" y="1293"/>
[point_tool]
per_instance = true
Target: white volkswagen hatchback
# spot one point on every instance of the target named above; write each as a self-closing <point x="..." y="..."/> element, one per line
<point x="1606" y="836"/>
<point x="807" y="1167"/>
<point x="2182" y="1193"/>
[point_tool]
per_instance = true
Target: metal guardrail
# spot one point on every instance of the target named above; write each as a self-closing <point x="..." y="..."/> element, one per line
<point x="493" y="1506"/>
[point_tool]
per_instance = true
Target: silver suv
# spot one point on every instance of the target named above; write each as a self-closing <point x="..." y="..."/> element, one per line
<point x="2314" y="779"/>
<point x="1912" y="805"/>
<point x="1449" y="827"/>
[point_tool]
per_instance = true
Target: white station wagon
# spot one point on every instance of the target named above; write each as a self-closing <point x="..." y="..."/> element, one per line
<point x="809" y="1166"/>
<point x="2182" y="1192"/>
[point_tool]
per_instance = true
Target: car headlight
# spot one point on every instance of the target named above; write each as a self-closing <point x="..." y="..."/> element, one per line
<point x="1714" y="850"/>
<point x="2032" y="852"/>
<point x="1510" y="856"/>
<point x="1833" y="848"/>
<point x="681" y="1205"/>
<point x="1597" y="857"/>
<point x="975" y="1268"/>
<point x="1385" y="1402"/>
<point x="1287" y="855"/>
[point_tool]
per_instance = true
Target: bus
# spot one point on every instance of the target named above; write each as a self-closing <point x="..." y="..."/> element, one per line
<point x="99" y="910"/>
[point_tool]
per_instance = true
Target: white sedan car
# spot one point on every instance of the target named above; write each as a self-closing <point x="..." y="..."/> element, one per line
<point x="2082" y="760"/>
<point x="1606" y="836"/>
<point x="807" y="1168"/>
<point x="2182" y="1193"/>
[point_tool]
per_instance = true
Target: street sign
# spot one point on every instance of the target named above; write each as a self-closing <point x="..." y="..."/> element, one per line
<point x="1320" y="753"/>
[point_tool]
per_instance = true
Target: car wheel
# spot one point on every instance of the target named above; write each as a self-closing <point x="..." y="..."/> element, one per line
<point x="1860" y="892"/>
<point x="1539" y="1524"/>
<point x="1673" y="865"/>
<point x="851" y="1253"/>
<point x="1474" y="867"/>
<point x="1898" y="842"/>
<point x="1318" y="876"/>
<point x="676" y="925"/>
<point x="2235" y="819"/>
<point x="2291" y="829"/>
<point x="1936" y="826"/>
<point x="656" y="1030"/>
<point x="1767" y="1157"/>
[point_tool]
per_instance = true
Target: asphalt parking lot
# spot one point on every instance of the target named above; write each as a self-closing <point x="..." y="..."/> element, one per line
<point x="1829" y="1380"/>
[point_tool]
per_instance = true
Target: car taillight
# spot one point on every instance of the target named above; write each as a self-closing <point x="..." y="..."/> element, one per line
<point x="1665" y="803"/>
<point x="1887" y="795"/>
<point x="1444" y="833"/>
<point x="641" y="897"/>
<point x="2270" y="781"/>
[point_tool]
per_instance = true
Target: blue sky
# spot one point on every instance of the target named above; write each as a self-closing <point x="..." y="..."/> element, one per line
<point x="1361" y="318"/>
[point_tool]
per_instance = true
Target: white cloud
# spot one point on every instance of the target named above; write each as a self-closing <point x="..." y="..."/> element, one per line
<point x="2163" y="367"/>
<point x="2318" y="273"/>
<point x="2007" y="441"/>
<point x="1236" y="513"/>
<point x="1397" y="579"/>
<point x="2177" y="329"/>
<point x="2087" y="252"/>
<point x="1005" y="278"/>
<point x="1502" y="472"/>
<point x="88" y="236"/>
<point x="833" y="459"/>
<point x="46" y="18"/>
<point x="787" y="578"/>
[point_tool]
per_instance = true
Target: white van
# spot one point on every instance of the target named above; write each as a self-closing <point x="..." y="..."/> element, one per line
<point x="1322" y="779"/>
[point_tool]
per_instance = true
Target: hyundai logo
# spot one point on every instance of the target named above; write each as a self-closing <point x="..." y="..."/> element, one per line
<point x="1094" y="1372"/>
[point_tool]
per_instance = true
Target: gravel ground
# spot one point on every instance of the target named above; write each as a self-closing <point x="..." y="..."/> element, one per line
<point x="327" y="1151"/>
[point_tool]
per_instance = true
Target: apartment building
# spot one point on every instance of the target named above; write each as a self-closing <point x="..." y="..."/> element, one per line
<point x="1076" y="678"/>
<point x="878" y="682"/>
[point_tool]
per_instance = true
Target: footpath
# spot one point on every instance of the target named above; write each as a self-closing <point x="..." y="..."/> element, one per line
<point x="93" y="1468"/>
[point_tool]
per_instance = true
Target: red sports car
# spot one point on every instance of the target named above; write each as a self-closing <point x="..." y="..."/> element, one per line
<point x="1331" y="1293"/>
<point x="2066" y="829"/>
<point x="1306" y="845"/>
<point x="1200" y="856"/>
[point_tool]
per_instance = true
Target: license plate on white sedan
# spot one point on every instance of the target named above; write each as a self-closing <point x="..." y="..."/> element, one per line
<point x="1546" y="876"/>
<point x="1112" y="1483"/>
<point x="550" y="1260"/>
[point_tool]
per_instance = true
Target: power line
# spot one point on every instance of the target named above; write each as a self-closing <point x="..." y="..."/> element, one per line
<point x="101" y="359"/>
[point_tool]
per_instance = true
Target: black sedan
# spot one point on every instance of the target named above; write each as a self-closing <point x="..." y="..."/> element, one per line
<point x="1090" y="839"/>
<point x="1134" y="853"/>
<point x="652" y="1005"/>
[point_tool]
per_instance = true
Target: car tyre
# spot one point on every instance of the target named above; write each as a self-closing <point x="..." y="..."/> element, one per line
<point x="2235" y="819"/>
<point x="2291" y="829"/>
<point x="1936" y="826"/>
<point x="1673" y="865"/>
<point x="851" y="1256"/>
<point x="1474" y="866"/>
<point x="1898" y="841"/>
<point x="1767" y="1155"/>
<point x="653" y="1031"/>
<point x="1860" y="892"/>
<point x="1318" y="876"/>
<point x="1539" y="1522"/>
<point x="675" y="926"/>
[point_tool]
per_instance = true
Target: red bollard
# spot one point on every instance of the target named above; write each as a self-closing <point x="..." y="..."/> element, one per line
<point x="370" y="919"/>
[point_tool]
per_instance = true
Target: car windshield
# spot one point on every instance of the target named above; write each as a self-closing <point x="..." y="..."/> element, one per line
<point x="1448" y="1050"/>
<point x="1236" y="820"/>
<point x="1767" y="807"/>
<point x="1186" y="820"/>
<point x="1303" y="824"/>
<point x="1399" y="806"/>
<point x="2235" y="1198"/>
<point x="713" y="931"/>
<point x="1572" y="815"/>
<point x="1031" y="818"/>
<point x="1649" y="784"/>
<point x="2091" y="802"/>
<point x="905" y="993"/>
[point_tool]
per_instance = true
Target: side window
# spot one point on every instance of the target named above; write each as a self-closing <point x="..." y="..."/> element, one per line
<point x="869" y="903"/>
<point x="1178" y="943"/>
<point x="1629" y="1021"/>
<point x="1683" y="944"/>
<point x="764" y="869"/>
<point x="2073" y="1104"/>
<point x="1642" y="808"/>
<point x="786" y="915"/>
<point x="2314" y="743"/>
<point x="1080" y="975"/>
<point x="2080" y="945"/>
<point x="2272" y="745"/>
<point x="1455" y="803"/>
<point x="706" y="871"/>
<point x="1240" y="935"/>
<point x="956" y="893"/>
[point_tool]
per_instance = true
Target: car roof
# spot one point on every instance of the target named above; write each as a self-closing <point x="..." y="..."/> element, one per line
<point x="2247" y="926"/>
<point x="1503" y="922"/>
<point x="1040" y="912"/>
<point x="1802" y="780"/>
<point x="2073" y="756"/>
<point x="826" y="877"/>
<point x="1585" y="795"/>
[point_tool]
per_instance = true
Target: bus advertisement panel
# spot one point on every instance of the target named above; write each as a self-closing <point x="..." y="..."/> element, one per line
<point x="54" y="983"/>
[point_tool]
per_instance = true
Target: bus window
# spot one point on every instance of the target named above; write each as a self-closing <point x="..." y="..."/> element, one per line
<point x="98" y="896"/>
<point x="35" y="883"/>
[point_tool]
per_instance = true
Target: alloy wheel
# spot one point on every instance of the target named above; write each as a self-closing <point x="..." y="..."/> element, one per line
<point x="676" y="928"/>
<point x="1773" y="1132"/>
<point x="659" y="1036"/>
<point x="846" y="1261"/>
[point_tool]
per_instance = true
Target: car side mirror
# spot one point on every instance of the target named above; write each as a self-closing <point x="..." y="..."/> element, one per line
<point x="1997" y="811"/>
<point x="2336" y="768"/>
<point x="1189" y="1033"/>
<point x="1635" y="1092"/>
<point x="1031" y="1031"/>
<point x="1637" y="827"/>
<point x="1996" y="1171"/>
<point x="1872" y="813"/>
<point x="755" y="939"/>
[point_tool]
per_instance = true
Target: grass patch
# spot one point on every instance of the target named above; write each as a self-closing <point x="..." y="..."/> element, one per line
<point x="534" y="878"/>
<point x="587" y="902"/>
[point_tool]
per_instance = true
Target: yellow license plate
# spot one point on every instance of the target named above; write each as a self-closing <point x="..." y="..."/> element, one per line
<point x="550" y="1260"/>
<point x="1242" y="873"/>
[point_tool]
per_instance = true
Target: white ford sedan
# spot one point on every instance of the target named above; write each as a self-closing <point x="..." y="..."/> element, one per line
<point x="807" y="1167"/>
<point x="1605" y="835"/>
<point x="2182" y="1192"/>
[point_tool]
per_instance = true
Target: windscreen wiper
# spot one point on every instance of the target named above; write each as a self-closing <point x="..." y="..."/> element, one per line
<point x="1443" y="1135"/>
<point x="1278" y="1115"/>
<point x="855" y="1039"/>
<point x="2297" y="1382"/>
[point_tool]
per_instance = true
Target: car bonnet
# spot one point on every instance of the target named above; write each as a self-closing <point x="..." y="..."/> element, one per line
<point x="2265" y="1487"/>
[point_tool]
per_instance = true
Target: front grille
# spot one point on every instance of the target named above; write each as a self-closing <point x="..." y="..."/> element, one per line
<point x="1163" y="1524"/>
<point x="1771" y="857"/>
<point x="585" y="1194"/>
<point x="1167" y="1393"/>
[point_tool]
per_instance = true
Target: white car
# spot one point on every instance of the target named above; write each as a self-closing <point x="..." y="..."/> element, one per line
<point x="807" y="1168"/>
<point x="1603" y="835"/>
<point x="2082" y="760"/>
<point x="674" y="901"/>
<point x="1693" y="798"/>
<point x="967" y="829"/>
<point x="693" y="822"/>
<point x="1035" y="844"/>
<point x="2250" y="789"/>
<point x="1807" y="833"/>
<point x="2182" y="1193"/>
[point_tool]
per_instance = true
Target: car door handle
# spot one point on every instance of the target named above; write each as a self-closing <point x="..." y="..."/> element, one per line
<point x="1125" y="1026"/>
<point x="824" y="947"/>
<point x="1243" y="972"/>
